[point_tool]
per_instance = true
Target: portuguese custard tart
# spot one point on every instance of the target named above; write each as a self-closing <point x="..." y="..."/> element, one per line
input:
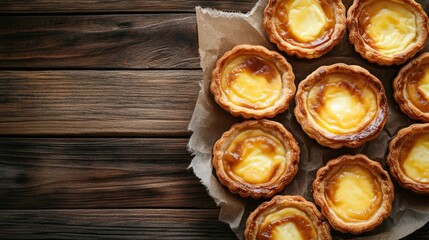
<point x="256" y="158"/>
<point x="253" y="82"/>
<point x="411" y="88"/>
<point x="387" y="31"/>
<point x="287" y="217"/>
<point x="354" y="193"/>
<point x="341" y="105"/>
<point x="305" y="28"/>
<point x="409" y="158"/>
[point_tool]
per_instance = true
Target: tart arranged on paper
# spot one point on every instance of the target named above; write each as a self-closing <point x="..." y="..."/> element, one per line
<point x="305" y="28"/>
<point x="411" y="88"/>
<point x="256" y="158"/>
<point x="354" y="193"/>
<point x="287" y="217"/>
<point x="387" y="31"/>
<point x="253" y="82"/>
<point x="409" y="158"/>
<point x="341" y="105"/>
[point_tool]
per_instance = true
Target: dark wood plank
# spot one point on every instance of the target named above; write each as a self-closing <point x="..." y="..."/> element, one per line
<point x="98" y="173"/>
<point x="114" y="224"/>
<point x="85" y="6"/>
<point x="94" y="103"/>
<point x="103" y="41"/>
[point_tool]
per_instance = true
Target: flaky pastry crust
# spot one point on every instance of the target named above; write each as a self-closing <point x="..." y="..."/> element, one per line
<point x="375" y="56"/>
<point x="400" y="91"/>
<point x="287" y="76"/>
<point x="263" y="190"/>
<point x="325" y="173"/>
<point x="256" y="218"/>
<point x="352" y="139"/>
<point x="307" y="52"/>
<point x="395" y="148"/>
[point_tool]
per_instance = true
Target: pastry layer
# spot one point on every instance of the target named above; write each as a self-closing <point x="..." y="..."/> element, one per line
<point x="341" y="104"/>
<point x="255" y="157"/>
<point x="251" y="82"/>
<point x="388" y="26"/>
<point x="414" y="158"/>
<point x="353" y="194"/>
<point x="309" y="22"/>
<point x="288" y="223"/>
<point x="417" y="88"/>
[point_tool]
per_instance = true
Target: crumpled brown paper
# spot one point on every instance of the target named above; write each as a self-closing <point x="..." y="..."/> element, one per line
<point x="219" y="32"/>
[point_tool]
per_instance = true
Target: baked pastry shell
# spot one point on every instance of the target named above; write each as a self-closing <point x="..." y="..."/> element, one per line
<point x="325" y="173"/>
<point x="331" y="140"/>
<point x="287" y="76"/>
<point x="395" y="147"/>
<point x="278" y="203"/>
<point x="306" y="52"/>
<point x="375" y="56"/>
<point x="263" y="190"/>
<point x="400" y="85"/>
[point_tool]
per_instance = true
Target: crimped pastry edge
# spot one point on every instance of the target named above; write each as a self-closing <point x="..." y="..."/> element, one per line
<point x="287" y="76"/>
<point x="399" y="89"/>
<point x="264" y="190"/>
<point x="336" y="141"/>
<point x="395" y="147"/>
<point x="302" y="52"/>
<point x="325" y="173"/>
<point x="371" y="54"/>
<point x="279" y="202"/>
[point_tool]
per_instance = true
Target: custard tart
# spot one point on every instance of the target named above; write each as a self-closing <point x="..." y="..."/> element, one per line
<point x="409" y="158"/>
<point x="253" y="82"/>
<point x="387" y="31"/>
<point x="256" y="158"/>
<point x="305" y="28"/>
<point x="411" y="88"/>
<point x="341" y="105"/>
<point x="354" y="193"/>
<point x="287" y="217"/>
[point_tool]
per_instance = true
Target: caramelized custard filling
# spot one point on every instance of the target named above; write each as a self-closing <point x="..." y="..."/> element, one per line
<point x="414" y="159"/>
<point x="252" y="82"/>
<point x="342" y="104"/>
<point x="388" y="26"/>
<point x="353" y="194"/>
<point x="288" y="223"/>
<point x="255" y="157"/>
<point x="304" y="22"/>
<point x="417" y="88"/>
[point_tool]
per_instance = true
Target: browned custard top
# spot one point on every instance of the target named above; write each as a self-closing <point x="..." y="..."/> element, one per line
<point x="287" y="223"/>
<point x="306" y="23"/>
<point x="255" y="156"/>
<point x="252" y="82"/>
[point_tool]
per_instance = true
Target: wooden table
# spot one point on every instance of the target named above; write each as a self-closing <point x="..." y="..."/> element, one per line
<point x="95" y="99"/>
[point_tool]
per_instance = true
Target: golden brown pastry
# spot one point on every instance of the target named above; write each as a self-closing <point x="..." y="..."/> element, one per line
<point x="305" y="28"/>
<point x="341" y="105"/>
<point x="287" y="217"/>
<point x="256" y="158"/>
<point x="411" y="88"/>
<point x="409" y="158"/>
<point x="253" y="82"/>
<point x="354" y="193"/>
<point x="387" y="31"/>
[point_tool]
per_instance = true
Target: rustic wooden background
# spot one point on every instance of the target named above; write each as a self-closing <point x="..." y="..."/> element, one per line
<point x="95" y="99"/>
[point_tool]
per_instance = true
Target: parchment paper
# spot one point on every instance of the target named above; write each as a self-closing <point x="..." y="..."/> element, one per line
<point x="219" y="32"/>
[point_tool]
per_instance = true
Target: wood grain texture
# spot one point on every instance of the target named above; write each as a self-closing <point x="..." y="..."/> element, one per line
<point x="104" y="41"/>
<point x="94" y="103"/>
<point x="98" y="173"/>
<point x="114" y="224"/>
<point x="114" y="6"/>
